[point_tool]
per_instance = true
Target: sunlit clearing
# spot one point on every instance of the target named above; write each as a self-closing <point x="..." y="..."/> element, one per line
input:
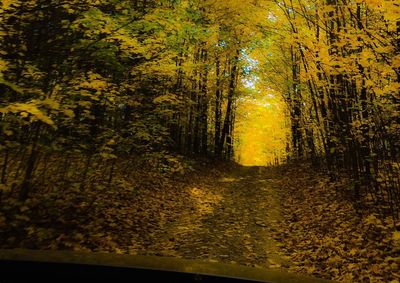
<point x="262" y="129"/>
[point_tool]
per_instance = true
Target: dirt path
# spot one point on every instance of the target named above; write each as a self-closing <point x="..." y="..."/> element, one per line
<point x="230" y="220"/>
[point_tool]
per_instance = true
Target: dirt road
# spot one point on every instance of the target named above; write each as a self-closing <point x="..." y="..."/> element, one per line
<point x="229" y="219"/>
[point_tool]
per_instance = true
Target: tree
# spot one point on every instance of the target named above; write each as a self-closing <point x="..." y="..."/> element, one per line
<point x="341" y="59"/>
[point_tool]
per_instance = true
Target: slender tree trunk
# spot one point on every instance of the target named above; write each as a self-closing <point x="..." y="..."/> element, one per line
<point x="229" y="108"/>
<point x="4" y="170"/>
<point x="27" y="182"/>
<point x="218" y="105"/>
<point x="110" y="176"/>
<point x="86" y="171"/>
<point x="297" y="139"/>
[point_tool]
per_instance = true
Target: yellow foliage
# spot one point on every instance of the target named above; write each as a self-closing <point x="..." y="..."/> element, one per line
<point x="26" y="109"/>
<point x="396" y="236"/>
<point x="7" y="3"/>
<point x="94" y="82"/>
<point x="3" y="66"/>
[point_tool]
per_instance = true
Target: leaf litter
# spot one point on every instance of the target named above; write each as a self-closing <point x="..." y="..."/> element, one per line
<point x="289" y="218"/>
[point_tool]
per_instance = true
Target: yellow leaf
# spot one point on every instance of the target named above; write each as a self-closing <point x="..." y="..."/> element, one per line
<point x="24" y="208"/>
<point x="24" y="109"/>
<point x="69" y="113"/>
<point x="396" y="236"/>
<point x="353" y="252"/>
<point x="6" y="3"/>
<point x="371" y="219"/>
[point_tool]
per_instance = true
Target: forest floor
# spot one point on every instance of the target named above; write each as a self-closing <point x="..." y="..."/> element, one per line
<point x="288" y="217"/>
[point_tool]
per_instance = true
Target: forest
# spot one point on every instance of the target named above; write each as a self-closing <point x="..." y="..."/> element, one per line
<point x="281" y="117"/>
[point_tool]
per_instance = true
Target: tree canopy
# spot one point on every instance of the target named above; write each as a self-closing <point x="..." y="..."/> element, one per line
<point x="98" y="81"/>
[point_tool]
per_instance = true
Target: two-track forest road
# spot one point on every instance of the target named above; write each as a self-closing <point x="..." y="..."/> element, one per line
<point x="229" y="219"/>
